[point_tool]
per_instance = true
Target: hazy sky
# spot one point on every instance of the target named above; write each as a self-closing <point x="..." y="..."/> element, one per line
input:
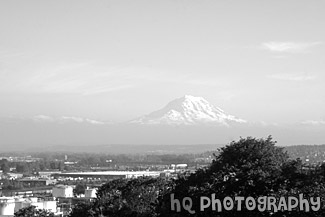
<point x="116" y="60"/>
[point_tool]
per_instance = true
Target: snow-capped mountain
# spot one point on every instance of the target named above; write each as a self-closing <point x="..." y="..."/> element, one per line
<point x="189" y="110"/>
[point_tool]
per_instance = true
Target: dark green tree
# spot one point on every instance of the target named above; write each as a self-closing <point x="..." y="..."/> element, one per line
<point x="83" y="210"/>
<point x="129" y="198"/>
<point x="4" y="165"/>
<point x="249" y="167"/>
<point x="79" y="189"/>
<point x="32" y="211"/>
<point x="21" y="168"/>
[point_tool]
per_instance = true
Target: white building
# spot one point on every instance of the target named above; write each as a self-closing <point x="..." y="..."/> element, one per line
<point x="179" y="166"/>
<point x="7" y="206"/>
<point x="91" y="192"/>
<point x="62" y="191"/>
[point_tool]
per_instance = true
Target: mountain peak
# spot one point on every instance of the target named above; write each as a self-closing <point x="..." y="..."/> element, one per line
<point x="189" y="110"/>
<point x="190" y="97"/>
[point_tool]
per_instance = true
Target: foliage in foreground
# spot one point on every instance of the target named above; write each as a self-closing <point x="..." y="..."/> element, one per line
<point x="122" y="197"/>
<point x="249" y="167"/>
<point x="32" y="211"/>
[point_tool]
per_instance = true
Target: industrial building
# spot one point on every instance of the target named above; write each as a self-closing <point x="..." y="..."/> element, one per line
<point x="109" y="175"/>
<point x="37" y="182"/>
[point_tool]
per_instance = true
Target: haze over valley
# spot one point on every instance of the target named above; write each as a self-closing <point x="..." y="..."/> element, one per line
<point x="187" y="120"/>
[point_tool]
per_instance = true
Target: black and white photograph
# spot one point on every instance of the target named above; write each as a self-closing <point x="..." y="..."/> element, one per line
<point x="162" y="108"/>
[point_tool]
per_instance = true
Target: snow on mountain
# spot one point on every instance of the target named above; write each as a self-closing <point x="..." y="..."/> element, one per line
<point x="189" y="110"/>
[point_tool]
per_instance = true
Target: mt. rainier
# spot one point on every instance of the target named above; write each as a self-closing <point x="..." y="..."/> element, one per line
<point x="189" y="110"/>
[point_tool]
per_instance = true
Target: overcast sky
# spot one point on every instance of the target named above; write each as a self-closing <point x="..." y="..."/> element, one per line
<point x="116" y="60"/>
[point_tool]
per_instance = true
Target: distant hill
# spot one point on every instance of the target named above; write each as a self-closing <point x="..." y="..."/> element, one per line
<point x="123" y="149"/>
